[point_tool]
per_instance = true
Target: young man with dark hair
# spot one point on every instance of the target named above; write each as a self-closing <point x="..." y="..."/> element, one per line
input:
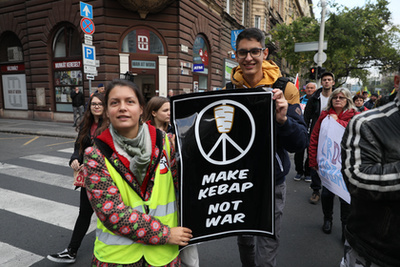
<point x="313" y="109"/>
<point x="255" y="71"/>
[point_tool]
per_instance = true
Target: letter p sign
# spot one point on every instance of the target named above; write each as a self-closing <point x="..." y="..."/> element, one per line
<point x="89" y="55"/>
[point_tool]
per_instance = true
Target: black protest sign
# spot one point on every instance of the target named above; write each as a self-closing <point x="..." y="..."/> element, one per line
<point x="225" y="140"/>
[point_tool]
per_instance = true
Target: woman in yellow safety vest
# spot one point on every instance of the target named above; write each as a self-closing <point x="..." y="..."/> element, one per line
<point x="131" y="177"/>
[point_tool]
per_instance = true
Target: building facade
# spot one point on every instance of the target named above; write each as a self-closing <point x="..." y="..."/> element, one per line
<point x="165" y="46"/>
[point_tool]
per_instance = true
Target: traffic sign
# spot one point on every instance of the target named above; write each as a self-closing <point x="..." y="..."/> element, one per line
<point x="86" y="10"/>
<point x="88" y="39"/>
<point x="89" y="69"/>
<point x="89" y="55"/>
<point x="323" y="57"/>
<point x="87" y="25"/>
<point x="90" y="77"/>
<point x="309" y="46"/>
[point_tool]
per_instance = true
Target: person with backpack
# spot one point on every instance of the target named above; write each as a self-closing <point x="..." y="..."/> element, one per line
<point x="291" y="134"/>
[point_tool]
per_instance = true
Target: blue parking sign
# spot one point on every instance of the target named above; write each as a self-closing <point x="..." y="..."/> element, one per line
<point x="89" y="55"/>
<point x="86" y="10"/>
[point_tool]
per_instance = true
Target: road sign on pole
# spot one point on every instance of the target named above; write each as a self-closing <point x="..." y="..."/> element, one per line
<point x="309" y="46"/>
<point x="89" y="55"/>
<point x="86" y="10"/>
<point x="87" y="26"/>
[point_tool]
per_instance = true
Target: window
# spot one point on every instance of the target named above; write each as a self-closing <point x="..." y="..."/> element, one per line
<point x="67" y="66"/>
<point x="265" y="23"/>
<point x="142" y="41"/>
<point x="257" y="22"/>
<point x="229" y="6"/>
<point x="67" y="43"/>
<point x="243" y="12"/>
<point x="200" y="63"/>
<point x="10" y="49"/>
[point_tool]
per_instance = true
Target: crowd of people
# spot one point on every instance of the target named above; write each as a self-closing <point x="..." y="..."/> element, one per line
<point x="122" y="140"/>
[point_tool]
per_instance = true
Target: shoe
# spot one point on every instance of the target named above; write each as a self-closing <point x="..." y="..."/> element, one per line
<point x="314" y="197"/>
<point x="327" y="227"/>
<point x="307" y="179"/>
<point x="298" y="177"/>
<point x="65" y="256"/>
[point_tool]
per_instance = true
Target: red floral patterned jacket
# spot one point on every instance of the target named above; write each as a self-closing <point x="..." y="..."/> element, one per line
<point x="106" y="200"/>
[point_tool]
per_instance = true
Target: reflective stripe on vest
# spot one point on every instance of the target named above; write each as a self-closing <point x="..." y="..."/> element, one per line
<point x="113" y="248"/>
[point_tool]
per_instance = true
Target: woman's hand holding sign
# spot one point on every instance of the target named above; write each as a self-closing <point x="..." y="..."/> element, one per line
<point x="180" y="236"/>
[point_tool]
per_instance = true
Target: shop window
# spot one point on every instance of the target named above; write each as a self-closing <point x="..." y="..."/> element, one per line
<point x="67" y="65"/>
<point x="142" y="41"/>
<point x="200" y="64"/>
<point x="10" y="48"/>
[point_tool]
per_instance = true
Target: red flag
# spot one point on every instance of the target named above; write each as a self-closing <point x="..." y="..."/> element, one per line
<point x="296" y="83"/>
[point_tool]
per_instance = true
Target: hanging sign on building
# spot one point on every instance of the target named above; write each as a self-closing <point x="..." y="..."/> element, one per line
<point x="198" y="67"/>
<point x="234" y="35"/>
<point x="143" y="41"/>
<point x="226" y="144"/>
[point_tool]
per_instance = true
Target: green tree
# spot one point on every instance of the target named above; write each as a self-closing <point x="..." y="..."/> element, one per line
<point x="358" y="39"/>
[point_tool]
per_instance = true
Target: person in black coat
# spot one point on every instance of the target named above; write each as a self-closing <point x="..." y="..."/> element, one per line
<point x="93" y="123"/>
<point x="78" y="102"/>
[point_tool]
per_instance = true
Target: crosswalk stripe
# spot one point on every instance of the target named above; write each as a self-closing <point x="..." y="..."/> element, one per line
<point x="67" y="150"/>
<point x="11" y="255"/>
<point x="48" y="211"/>
<point x="49" y="178"/>
<point x="59" y="161"/>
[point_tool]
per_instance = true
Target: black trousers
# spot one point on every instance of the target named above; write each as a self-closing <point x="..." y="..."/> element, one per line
<point x="82" y="222"/>
<point x="327" y="200"/>
<point x="301" y="166"/>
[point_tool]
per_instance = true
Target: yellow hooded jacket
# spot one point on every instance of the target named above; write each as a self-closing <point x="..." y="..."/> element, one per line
<point x="271" y="74"/>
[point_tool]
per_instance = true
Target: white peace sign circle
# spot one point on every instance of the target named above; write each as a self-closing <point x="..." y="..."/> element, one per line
<point x="224" y="136"/>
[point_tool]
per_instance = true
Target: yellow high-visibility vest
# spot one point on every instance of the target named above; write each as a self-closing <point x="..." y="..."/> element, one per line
<point x="112" y="248"/>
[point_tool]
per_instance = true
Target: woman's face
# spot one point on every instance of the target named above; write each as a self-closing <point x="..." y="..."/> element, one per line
<point x="96" y="107"/>
<point x="339" y="101"/>
<point x="162" y="115"/>
<point x="124" y="111"/>
<point x="359" y="102"/>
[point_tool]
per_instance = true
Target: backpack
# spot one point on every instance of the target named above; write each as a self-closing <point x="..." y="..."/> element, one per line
<point x="280" y="84"/>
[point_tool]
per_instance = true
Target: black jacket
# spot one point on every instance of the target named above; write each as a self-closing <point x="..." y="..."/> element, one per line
<point x="292" y="137"/>
<point x="371" y="170"/>
<point x="78" y="99"/>
<point x="87" y="142"/>
<point x="312" y="110"/>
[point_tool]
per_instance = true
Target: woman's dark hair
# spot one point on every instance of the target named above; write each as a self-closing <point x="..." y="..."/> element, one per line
<point x="154" y="104"/>
<point x="88" y="120"/>
<point x="119" y="82"/>
<point x="357" y="97"/>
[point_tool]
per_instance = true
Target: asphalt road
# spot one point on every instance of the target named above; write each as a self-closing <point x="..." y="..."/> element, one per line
<point x="30" y="174"/>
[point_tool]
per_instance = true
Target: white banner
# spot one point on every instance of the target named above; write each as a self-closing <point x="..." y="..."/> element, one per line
<point x="329" y="158"/>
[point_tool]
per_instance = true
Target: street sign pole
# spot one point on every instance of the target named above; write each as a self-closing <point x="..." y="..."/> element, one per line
<point x="321" y="40"/>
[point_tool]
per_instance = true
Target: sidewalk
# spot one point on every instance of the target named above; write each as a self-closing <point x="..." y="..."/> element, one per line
<point x="43" y="128"/>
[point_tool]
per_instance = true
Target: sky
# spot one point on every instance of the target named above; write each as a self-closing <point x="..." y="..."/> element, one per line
<point x="394" y="7"/>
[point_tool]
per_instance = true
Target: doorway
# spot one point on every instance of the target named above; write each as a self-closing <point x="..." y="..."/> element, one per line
<point x="147" y="85"/>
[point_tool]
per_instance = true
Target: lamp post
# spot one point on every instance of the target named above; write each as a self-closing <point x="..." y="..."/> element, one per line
<point x="321" y="40"/>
